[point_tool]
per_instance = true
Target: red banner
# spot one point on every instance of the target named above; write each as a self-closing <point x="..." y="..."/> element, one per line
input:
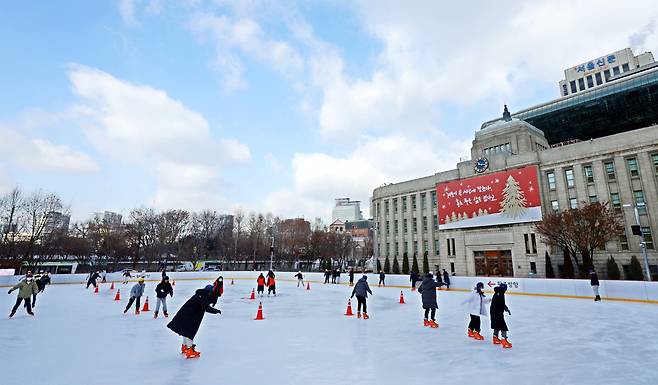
<point x="504" y="197"/>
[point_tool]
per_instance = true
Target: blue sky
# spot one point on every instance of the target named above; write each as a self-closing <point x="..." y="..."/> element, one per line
<point x="273" y="106"/>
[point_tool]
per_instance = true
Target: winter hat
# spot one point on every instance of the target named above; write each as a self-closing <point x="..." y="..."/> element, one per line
<point x="503" y="286"/>
<point x="429" y="275"/>
<point x="479" y="285"/>
<point x="140" y="280"/>
<point x="365" y="277"/>
<point x="208" y="288"/>
<point x="165" y="278"/>
<point x="220" y="279"/>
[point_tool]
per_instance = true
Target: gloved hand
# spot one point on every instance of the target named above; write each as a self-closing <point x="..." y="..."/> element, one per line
<point x="219" y="311"/>
<point x="352" y="296"/>
<point x="509" y="312"/>
<point x="9" y="292"/>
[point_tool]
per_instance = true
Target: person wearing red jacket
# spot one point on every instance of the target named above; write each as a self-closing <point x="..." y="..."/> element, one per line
<point x="271" y="285"/>
<point x="260" y="282"/>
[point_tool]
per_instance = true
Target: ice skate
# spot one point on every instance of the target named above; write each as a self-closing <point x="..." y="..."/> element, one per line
<point x="30" y="312"/>
<point x="183" y="349"/>
<point x="137" y="311"/>
<point x="426" y="323"/>
<point x="470" y="333"/>
<point x="165" y="314"/>
<point x="155" y="315"/>
<point x="125" y="311"/>
<point x="12" y="314"/>
<point x="496" y="340"/>
<point x="433" y="324"/>
<point x="365" y="315"/>
<point x="506" y="344"/>
<point x="477" y="336"/>
<point x="358" y="314"/>
<point x="191" y="353"/>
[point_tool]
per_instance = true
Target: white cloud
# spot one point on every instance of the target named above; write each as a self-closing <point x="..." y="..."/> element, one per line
<point x="143" y="126"/>
<point x="244" y="35"/>
<point x="127" y="11"/>
<point x="320" y="178"/>
<point x="42" y="156"/>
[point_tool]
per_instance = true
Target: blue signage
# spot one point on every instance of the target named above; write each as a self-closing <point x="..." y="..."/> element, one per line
<point x="600" y="62"/>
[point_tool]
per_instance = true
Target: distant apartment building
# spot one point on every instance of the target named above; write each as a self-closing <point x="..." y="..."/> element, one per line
<point x="112" y="219"/>
<point x="56" y="221"/>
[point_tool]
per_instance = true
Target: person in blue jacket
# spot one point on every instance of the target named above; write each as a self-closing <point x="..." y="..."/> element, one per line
<point x="135" y="295"/>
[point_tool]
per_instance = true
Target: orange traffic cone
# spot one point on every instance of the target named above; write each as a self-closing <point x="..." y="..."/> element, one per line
<point x="349" y="308"/>
<point x="231" y="281"/>
<point x="112" y="287"/>
<point x="401" y="297"/>
<point x="253" y="294"/>
<point x="96" y="290"/>
<point x="146" y="305"/>
<point x="118" y="296"/>
<point x="308" y="286"/>
<point x="259" y="315"/>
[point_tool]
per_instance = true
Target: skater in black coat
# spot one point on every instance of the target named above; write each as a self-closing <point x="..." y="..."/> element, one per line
<point x="163" y="289"/>
<point x="327" y="274"/>
<point x="351" y="276"/>
<point x="427" y="290"/>
<point x="413" y="277"/>
<point x="594" y="281"/>
<point x="188" y="319"/>
<point x="92" y="279"/>
<point x="382" y="277"/>
<point x="446" y="279"/>
<point x="497" y="313"/>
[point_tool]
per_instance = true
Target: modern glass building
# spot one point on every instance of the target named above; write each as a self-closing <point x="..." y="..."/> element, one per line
<point x="628" y="102"/>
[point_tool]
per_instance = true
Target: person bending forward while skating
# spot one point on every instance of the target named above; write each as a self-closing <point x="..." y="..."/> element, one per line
<point x="497" y="311"/>
<point x="188" y="319"/>
<point x="361" y="290"/>
<point x="26" y="289"/>
<point x="477" y="307"/>
<point x="136" y="295"/>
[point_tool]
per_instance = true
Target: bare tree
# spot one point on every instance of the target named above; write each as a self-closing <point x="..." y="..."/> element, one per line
<point x="11" y="209"/>
<point x="238" y="228"/>
<point x="40" y="209"/>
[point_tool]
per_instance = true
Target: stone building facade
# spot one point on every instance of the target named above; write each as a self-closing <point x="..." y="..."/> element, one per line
<point x="621" y="169"/>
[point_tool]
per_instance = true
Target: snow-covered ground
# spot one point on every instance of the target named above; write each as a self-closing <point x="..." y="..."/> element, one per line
<point x="78" y="337"/>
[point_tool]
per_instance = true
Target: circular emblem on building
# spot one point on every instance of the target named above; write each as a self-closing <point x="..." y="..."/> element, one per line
<point x="481" y="165"/>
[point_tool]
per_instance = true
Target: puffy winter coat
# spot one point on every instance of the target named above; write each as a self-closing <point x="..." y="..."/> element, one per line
<point x="498" y="309"/>
<point x="93" y="277"/>
<point x="446" y="277"/>
<point x="137" y="290"/>
<point x="476" y="303"/>
<point x="260" y="281"/>
<point x="25" y="289"/>
<point x="413" y="277"/>
<point x="188" y="319"/>
<point x="299" y="276"/>
<point x="270" y="282"/>
<point x="163" y="289"/>
<point x="427" y="290"/>
<point x="361" y="289"/>
<point x="594" y="279"/>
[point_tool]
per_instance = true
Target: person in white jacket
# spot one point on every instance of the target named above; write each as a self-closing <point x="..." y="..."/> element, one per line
<point x="477" y="306"/>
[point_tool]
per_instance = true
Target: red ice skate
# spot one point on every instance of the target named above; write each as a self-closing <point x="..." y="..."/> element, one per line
<point x="470" y="333"/>
<point x="365" y="316"/>
<point x="183" y="349"/>
<point x="358" y="314"/>
<point x="137" y="311"/>
<point x="506" y="344"/>
<point x="477" y="336"/>
<point x="433" y="324"/>
<point x="191" y="353"/>
<point x="426" y="323"/>
<point x="496" y="340"/>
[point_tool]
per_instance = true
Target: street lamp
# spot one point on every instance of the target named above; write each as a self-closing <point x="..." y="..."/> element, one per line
<point x="638" y="231"/>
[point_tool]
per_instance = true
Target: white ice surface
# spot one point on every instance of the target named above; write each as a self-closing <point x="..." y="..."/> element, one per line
<point x="81" y="338"/>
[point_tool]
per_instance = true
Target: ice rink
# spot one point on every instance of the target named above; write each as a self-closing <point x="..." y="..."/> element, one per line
<point x="78" y="337"/>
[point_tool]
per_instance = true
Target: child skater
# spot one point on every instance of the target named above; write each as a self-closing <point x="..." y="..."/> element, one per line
<point x="427" y="290"/>
<point x="497" y="310"/>
<point x="260" y="282"/>
<point x="361" y="290"/>
<point x="477" y="306"/>
<point x="188" y="319"/>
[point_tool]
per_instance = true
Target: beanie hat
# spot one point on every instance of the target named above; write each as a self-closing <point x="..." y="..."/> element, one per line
<point x="208" y="288"/>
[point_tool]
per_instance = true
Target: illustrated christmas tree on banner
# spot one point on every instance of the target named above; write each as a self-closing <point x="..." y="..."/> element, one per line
<point x="513" y="203"/>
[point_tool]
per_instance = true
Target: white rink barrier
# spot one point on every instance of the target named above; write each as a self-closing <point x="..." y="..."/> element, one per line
<point x="633" y="291"/>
